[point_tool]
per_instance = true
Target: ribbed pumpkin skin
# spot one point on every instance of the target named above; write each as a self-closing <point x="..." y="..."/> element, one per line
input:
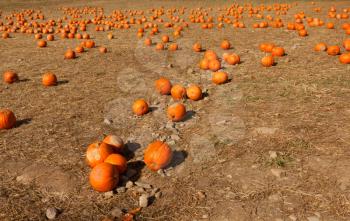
<point x="117" y="160"/>
<point x="157" y="155"/>
<point x="7" y="119"/>
<point x="104" y="177"/>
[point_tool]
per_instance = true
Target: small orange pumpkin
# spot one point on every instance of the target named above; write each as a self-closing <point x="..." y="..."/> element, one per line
<point x="267" y="61"/>
<point x="160" y="46"/>
<point x="104" y="177"/>
<point x="157" y="155"/>
<point x="10" y="77"/>
<point x="204" y="64"/>
<point x="117" y="160"/>
<point x="333" y="50"/>
<point x="7" y="119"/>
<point x="176" y="112"/>
<point x="50" y="37"/>
<point x="79" y="49"/>
<point x="42" y="43"/>
<point x="321" y="47"/>
<point x="233" y="59"/>
<point x="220" y="77"/>
<point x="225" y="44"/>
<point x="278" y="51"/>
<point x="89" y="44"/>
<point x="302" y="33"/>
<point x="194" y="92"/>
<point x="178" y="92"/>
<point x="210" y="55"/>
<point x="49" y="79"/>
<point x="214" y="65"/>
<point x="197" y="47"/>
<point x="345" y="58"/>
<point x="103" y="50"/>
<point x="69" y="54"/>
<point x="140" y="107"/>
<point x="165" y="39"/>
<point x="148" y="42"/>
<point x="163" y="86"/>
<point x="173" y="47"/>
<point x="97" y="152"/>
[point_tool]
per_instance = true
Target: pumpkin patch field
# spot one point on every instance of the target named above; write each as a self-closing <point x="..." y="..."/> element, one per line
<point x="175" y="110"/>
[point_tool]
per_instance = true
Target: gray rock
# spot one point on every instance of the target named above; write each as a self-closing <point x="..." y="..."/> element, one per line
<point x="273" y="154"/>
<point x="143" y="185"/>
<point x="129" y="184"/>
<point x="121" y="189"/>
<point x="161" y="172"/>
<point x="158" y="195"/>
<point x="116" y="212"/>
<point x="108" y="194"/>
<point x="51" y="213"/>
<point x="143" y="200"/>
<point x="175" y="137"/>
<point x="278" y="173"/>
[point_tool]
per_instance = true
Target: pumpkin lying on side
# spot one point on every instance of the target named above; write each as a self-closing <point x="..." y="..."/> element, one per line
<point x="104" y="177"/>
<point x="176" y="112"/>
<point x="157" y="155"/>
<point x="7" y="119"/>
<point x="10" y="77"/>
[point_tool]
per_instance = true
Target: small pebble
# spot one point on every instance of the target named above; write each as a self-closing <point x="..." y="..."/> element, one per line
<point x="170" y="125"/>
<point x="108" y="194"/>
<point x="161" y="172"/>
<point x="190" y="71"/>
<point x="273" y="154"/>
<point x="107" y="121"/>
<point x="121" y="189"/>
<point x="51" y="213"/>
<point x="143" y="185"/>
<point x="158" y="195"/>
<point x="201" y="194"/>
<point x="143" y="200"/>
<point x="129" y="184"/>
<point x="175" y="137"/>
<point x="171" y="142"/>
<point x="116" y="212"/>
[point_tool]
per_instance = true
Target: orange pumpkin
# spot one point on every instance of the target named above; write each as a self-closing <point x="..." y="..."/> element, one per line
<point x="157" y="155"/>
<point x="104" y="177"/>
<point x="278" y="51"/>
<point x="302" y="33"/>
<point x="204" y="64"/>
<point x="178" y="92"/>
<point x="176" y="112"/>
<point x="97" y="152"/>
<point x="89" y="44"/>
<point x="50" y="37"/>
<point x="49" y="79"/>
<point x="333" y="50"/>
<point x="117" y="160"/>
<point x="345" y="58"/>
<point x="173" y="47"/>
<point x="220" y="77"/>
<point x="197" y="47"/>
<point x="346" y="44"/>
<point x="267" y="61"/>
<point x="69" y="54"/>
<point x="233" y="59"/>
<point x="103" y="50"/>
<point x="214" y="65"/>
<point x="148" y="42"/>
<point x="38" y="36"/>
<point x="7" y="119"/>
<point x="160" y="46"/>
<point x="114" y="141"/>
<point x="225" y="44"/>
<point x="140" y="107"/>
<point x="163" y="86"/>
<point x="165" y="39"/>
<point x="321" y="47"/>
<point x="194" y="92"/>
<point x="210" y="55"/>
<point x="10" y="77"/>
<point x="42" y="43"/>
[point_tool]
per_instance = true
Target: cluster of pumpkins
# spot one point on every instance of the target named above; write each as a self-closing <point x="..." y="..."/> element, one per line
<point x="108" y="162"/>
<point x="334" y="50"/>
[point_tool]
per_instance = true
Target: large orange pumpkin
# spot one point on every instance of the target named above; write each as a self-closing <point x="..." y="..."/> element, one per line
<point x="333" y="50"/>
<point x="225" y="44"/>
<point x="104" y="177"/>
<point x="214" y="65"/>
<point x="7" y="119"/>
<point x="176" y="112"/>
<point x="10" y="77"/>
<point x="267" y="61"/>
<point x="157" y="155"/>
<point x="345" y="58"/>
<point x="278" y="51"/>
<point x="163" y="86"/>
<point x="97" y="152"/>
<point x="220" y="77"/>
<point x="117" y="160"/>
<point x="321" y="47"/>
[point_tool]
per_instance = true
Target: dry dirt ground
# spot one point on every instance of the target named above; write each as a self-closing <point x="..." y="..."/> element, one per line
<point x="273" y="144"/>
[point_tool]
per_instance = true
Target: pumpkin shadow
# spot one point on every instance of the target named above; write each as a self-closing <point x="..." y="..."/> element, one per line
<point x="62" y="82"/>
<point x="23" y="80"/>
<point x="136" y="167"/>
<point x="178" y="158"/>
<point x="151" y="109"/>
<point x="22" y="122"/>
<point x="189" y="115"/>
<point x="130" y="149"/>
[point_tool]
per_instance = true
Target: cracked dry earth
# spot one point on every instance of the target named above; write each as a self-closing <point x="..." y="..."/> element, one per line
<point x="272" y="144"/>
